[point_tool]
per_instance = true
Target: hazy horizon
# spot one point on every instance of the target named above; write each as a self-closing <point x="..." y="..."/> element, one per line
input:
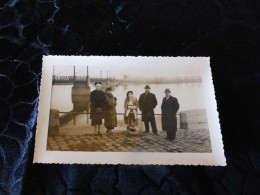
<point x="133" y="67"/>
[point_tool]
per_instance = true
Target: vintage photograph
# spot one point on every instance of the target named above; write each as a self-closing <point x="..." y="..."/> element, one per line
<point x="128" y="105"/>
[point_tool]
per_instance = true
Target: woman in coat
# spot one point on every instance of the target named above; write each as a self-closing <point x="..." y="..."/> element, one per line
<point x="97" y="102"/>
<point x="110" y="110"/>
<point x="170" y="107"/>
<point x="130" y="116"/>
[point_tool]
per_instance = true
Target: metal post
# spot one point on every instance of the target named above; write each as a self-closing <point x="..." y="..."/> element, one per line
<point x="87" y="74"/>
<point x="54" y="122"/>
<point x="53" y="76"/>
<point x="107" y="79"/>
<point x="74" y="120"/>
<point x="74" y="77"/>
<point x="183" y="121"/>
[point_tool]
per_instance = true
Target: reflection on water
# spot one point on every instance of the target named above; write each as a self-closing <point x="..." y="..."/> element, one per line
<point x="189" y="95"/>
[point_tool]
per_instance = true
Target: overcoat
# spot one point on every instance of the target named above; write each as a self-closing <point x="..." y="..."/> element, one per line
<point x="169" y="109"/>
<point x="110" y="111"/>
<point x="97" y="100"/>
<point x="147" y="103"/>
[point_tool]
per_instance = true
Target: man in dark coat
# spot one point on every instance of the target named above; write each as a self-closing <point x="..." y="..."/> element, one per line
<point x="97" y="103"/>
<point x="170" y="107"/>
<point x="147" y="103"/>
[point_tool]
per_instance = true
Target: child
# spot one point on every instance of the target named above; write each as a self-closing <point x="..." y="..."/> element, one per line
<point x="131" y="106"/>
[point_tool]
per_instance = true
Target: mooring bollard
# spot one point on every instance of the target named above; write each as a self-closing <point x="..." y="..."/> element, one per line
<point x="54" y="122"/>
<point x="183" y="120"/>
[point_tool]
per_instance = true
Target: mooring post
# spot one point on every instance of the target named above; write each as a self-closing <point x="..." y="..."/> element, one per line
<point x="53" y="76"/>
<point x="74" y="77"/>
<point x="87" y="75"/>
<point x="107" y="79"/>
<point x="54" y="123"/>
<point x="183" y="120"/>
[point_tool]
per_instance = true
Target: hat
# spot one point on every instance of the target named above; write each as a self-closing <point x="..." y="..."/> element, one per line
<point x="98" y="82"/>
<point x="147" y="87"/>
<point x="109" y="89"/>
<point x="167" y="90"/>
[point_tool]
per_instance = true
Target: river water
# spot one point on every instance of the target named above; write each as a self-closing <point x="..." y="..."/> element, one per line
<point x="189" y="95"/>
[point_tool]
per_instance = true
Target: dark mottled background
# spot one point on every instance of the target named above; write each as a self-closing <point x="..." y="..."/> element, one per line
<point x="227" y="31"/>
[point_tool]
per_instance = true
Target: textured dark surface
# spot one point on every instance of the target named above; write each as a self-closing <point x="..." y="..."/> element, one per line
<point x="227" y="31"/>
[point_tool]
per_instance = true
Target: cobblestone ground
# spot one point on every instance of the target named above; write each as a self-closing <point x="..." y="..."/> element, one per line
<point x="186" y="141"/>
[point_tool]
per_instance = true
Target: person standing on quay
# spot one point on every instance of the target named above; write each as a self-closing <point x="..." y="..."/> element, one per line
<point x="97" y="102"/>
<point x="147" y="103"/>
<point x="110" y="110"/>
<point x="170" y="107"/>
<point x="130" y="115"/>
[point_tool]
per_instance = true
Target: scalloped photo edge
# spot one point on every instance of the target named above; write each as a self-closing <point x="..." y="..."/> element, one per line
<point x="65" y="132"/>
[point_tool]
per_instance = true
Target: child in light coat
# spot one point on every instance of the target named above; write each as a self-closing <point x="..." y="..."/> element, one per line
<point x="131" y="107"/>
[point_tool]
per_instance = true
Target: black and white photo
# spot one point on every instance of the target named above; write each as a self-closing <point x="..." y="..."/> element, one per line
<point x="128" y="110"/>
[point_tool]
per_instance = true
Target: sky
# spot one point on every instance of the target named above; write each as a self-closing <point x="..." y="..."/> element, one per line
<point x="133" y="67"/>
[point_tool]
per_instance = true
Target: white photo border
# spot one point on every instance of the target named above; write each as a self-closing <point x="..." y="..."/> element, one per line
<point x="41" y="155"/>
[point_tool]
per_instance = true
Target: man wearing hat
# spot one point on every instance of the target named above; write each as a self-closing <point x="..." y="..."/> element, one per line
<point x="147" y="103"/>
<point x="170" y="107"/>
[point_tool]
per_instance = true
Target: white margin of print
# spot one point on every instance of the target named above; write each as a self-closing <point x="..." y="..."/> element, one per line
<point x="41" y="155"/>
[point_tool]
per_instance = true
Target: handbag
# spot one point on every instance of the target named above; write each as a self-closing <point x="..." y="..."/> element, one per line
<point x="111" y="102"/>
<point x="99" y="110"/>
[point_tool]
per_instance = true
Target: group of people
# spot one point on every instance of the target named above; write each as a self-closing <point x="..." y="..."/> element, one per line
<point x="103" y="106"/>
